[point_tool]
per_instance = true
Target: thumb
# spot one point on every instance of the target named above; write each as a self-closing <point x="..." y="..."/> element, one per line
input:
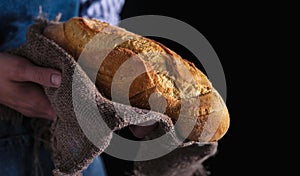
<point x="44" y="76"/>
<point x="142" y="131"/>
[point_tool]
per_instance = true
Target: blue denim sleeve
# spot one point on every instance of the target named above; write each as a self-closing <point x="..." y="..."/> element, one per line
<point x="16" y="16"/>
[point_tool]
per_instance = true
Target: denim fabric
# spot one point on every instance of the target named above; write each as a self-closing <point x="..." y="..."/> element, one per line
<point x="17" y="15"/>
<point x="17" y="154"/>
<point x="16" y="143"/>
<point x="17" y="157"/>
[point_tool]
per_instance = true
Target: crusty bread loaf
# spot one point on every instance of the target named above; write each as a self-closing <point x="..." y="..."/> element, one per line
<point x="178" y="87"/>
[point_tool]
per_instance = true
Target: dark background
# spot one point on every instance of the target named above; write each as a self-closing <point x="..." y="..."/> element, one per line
<point x="224" y="26"/>
<point x="255" y="43"/>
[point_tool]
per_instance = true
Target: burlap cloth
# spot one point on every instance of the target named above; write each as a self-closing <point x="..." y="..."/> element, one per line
<point x="72" y="151"/>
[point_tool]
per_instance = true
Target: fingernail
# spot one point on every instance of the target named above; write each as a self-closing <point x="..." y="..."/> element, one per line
<point x="56" y="79"/>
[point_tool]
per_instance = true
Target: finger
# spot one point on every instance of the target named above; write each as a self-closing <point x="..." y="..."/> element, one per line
<point x="33" y="102"/>
<point x="142" y="131"/>
<point x="147" y="123"/>
<point x="44" y="76"/>
<point x="34" y="114"/>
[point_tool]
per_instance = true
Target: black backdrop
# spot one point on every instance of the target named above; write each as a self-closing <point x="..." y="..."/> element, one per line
<point x="220" y="24"/>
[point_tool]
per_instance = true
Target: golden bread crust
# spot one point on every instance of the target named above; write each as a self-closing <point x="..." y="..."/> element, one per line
<point x="164" y="73"/>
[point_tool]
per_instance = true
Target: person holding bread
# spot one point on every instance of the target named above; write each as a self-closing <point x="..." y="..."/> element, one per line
<point x="21" y="80"/>
<point x="175" y="80"/>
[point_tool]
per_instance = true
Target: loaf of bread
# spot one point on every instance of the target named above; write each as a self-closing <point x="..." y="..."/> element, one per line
<point x="168" y="84"/>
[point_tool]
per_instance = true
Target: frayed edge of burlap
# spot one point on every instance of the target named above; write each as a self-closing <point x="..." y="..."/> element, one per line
<point x="186" y="160"/>
<point x="79" y="166"/>
<point x="93" y="152"/>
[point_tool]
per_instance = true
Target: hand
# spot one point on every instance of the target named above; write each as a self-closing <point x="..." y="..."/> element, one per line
<point x="20" y="86"/>
<point x="143" y="130"/>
